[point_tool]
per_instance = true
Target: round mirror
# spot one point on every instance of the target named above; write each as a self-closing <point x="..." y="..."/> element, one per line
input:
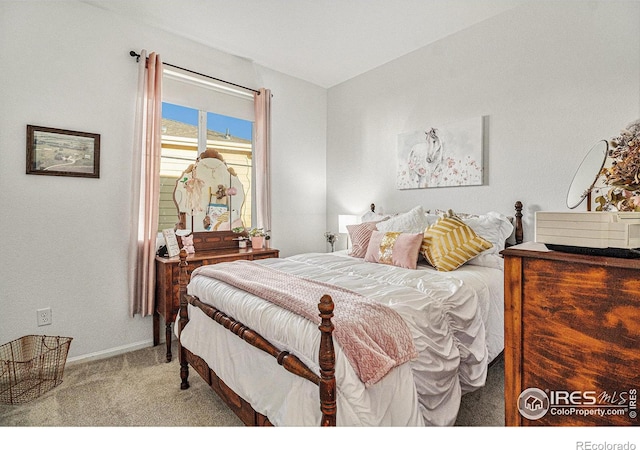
<point x="587" y="174"/>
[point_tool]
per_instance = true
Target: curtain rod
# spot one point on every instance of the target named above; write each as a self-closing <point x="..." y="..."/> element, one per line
<point x="137" y="56"/>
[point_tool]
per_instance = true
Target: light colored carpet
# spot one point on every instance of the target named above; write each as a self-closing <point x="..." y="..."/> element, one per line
<point x="133" y="389"/>
<point x="139" y="389"/>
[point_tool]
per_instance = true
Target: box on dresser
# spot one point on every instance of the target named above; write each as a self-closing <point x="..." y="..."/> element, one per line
<point x="590" y="230"/>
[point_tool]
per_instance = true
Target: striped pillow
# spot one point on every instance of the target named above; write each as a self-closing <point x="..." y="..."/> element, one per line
<point x="360" y="235"/>
<point x="449" y="243"/>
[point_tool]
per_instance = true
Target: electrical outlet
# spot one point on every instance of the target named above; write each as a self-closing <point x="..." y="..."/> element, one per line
<point x="44" y="316"/>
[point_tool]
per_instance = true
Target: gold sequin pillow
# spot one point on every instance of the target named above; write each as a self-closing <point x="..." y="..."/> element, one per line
<point x="449" y="243"/>
<point x="394" y="248"/>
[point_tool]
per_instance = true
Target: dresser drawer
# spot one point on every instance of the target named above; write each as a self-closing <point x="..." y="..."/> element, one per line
<point x="572" y="331"/>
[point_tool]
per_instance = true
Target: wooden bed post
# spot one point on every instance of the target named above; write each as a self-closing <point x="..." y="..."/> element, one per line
<point x="326" y="382"/>
<point x="184" y="318"/>
<point x="519" y="231"/>
<point x="327" y="364"/>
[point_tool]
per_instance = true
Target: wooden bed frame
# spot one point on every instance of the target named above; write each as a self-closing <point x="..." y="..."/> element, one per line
<point x="326" y="381"/>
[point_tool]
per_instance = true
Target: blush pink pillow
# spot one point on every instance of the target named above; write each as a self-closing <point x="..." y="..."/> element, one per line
<point x="397" y="249"/>
<point x="359" y="235"/>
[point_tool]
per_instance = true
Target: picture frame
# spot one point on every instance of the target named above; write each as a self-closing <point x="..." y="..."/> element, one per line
<point x="57" y="152"/>
<point x="442" y="155"/>
<point x="171" y="241"/>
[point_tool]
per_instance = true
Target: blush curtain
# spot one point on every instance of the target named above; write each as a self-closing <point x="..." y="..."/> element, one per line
<point x="145" y="186"/>
<point x="262" y="104"/>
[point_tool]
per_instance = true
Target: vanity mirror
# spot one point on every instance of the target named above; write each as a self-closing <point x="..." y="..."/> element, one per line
<point x="209" y="195"/>
<point x="587" y="175"/>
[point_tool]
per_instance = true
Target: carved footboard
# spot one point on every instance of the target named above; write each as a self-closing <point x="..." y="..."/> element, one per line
<point x="326" y="381"/>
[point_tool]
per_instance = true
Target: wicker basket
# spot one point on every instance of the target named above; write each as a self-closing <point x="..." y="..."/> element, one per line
<point x="31" y="366"/>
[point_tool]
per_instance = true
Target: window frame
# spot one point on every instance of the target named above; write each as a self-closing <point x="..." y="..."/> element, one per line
<point x="201" y="143"/>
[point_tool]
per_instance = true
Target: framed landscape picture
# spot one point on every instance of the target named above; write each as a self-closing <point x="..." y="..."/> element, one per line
<point x="52" y="151"/>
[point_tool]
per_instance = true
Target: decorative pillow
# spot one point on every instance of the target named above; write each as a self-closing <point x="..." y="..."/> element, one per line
<point x="459" y="215"/>
<point x="394" y="248"/>
<point x="492" y="226"/>
<point x="431" y="218"/>
<point x="360" y="235"/>
<point x="449" y="243"/>
<point x="414" y="221"/>
<point x="492" y="260"/>
<point x="370" y="216"/>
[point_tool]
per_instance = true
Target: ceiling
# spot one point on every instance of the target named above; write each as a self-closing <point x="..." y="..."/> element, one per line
<point x="324" y="42"/>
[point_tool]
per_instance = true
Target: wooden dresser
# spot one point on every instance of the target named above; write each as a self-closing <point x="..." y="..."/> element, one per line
<point x="211" y="248"/>
<point x="572" y="338"/>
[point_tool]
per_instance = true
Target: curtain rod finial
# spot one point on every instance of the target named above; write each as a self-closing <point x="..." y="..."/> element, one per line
<point x="132" y="54"/>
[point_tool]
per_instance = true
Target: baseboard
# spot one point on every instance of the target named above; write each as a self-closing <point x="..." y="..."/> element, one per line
<point x="109" y="352"/>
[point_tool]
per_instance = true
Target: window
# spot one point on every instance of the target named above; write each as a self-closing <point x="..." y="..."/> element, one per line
<point x="181" y="142"/>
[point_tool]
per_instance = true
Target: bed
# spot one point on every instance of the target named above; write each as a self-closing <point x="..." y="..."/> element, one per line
<point x="276" y="362"/>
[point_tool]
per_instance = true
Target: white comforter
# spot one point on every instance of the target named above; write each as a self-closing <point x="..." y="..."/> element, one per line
<point x="456" y="320"/>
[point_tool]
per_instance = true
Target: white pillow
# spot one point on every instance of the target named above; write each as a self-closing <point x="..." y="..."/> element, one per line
<point x="414" y="221"/>
<point x="492" y="260"/>
<point x="495" y="228"/>
<point x="432" y="218"/>
<point x="371" y="216"/>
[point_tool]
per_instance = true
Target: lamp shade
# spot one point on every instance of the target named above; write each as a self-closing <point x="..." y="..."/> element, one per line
<point x="344" y="220"/>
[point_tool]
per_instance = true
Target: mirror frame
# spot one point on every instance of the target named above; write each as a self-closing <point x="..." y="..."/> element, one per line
<point x="183" y="215"/>
<point x="586" y="171"/>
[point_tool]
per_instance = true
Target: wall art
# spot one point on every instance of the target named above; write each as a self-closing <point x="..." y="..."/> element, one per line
<point x="441" y="155"/>
<point x="52" y="151"/>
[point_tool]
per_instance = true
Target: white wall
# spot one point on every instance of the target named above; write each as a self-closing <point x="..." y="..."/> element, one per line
<point x="66" y="65"/>
<point x="298" y="162"/>
<point x="552" y="77"/>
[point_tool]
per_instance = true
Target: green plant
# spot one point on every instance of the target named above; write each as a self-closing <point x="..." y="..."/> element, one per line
<point x="253" y="232"/>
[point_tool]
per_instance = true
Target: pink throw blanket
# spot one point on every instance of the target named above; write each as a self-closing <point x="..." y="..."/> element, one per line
<point x="373" y="337"/>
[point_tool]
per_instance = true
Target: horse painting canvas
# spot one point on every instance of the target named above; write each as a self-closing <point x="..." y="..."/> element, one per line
<point x="447" y="155"/>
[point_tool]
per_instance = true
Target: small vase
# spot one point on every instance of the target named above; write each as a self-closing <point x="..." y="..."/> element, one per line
<point x="257" y="242"/>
